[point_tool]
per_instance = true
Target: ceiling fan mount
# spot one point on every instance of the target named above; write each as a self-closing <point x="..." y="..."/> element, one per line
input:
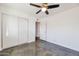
<point x="44" y="7"/>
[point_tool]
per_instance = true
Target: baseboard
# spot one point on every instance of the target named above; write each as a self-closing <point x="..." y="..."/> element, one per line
<point x="57" y="46"/>
<point x="31" y="41"/>
<point x="0" y="49"/>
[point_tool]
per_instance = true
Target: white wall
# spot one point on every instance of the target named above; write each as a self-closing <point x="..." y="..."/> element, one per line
<point x="63" y="29"/>
<point x="17" y="15"/>
<point x="0" y="31"/>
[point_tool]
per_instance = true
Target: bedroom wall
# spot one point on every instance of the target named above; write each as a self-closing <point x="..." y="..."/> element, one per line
<point x="20" y="14"/>
<point x="62" y="29"/>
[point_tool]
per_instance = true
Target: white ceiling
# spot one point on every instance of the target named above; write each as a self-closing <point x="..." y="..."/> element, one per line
<point x="30" y="10"/>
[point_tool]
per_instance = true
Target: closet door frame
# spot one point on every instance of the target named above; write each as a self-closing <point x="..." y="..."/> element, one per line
<point x="29" y="29"/>
<point x="4" y="37"/>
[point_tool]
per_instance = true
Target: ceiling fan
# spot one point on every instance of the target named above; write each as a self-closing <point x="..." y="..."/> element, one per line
<point x="44" y="7"/>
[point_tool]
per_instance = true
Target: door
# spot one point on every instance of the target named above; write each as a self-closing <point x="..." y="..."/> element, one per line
<point x="0" y="32"/>
<point x="43" y="30"/>
<point x="10" y="31"/>
<point x="22" y="30"/>
<point x="37" y="30"/>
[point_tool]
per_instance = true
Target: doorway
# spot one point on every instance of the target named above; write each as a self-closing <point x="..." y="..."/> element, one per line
<point x="37" y="36"/>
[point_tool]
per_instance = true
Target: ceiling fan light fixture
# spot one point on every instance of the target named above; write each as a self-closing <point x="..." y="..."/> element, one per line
<point x="44" y="9"/>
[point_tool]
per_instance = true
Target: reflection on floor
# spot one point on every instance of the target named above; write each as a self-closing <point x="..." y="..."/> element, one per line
<point x="43" y="49"/>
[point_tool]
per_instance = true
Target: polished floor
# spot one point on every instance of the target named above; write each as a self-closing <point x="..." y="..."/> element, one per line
<point x="39" y="48"/>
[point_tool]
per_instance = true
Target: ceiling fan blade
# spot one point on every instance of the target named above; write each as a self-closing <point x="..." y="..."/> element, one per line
<point x="46" y="12"/>
<point x="53" y="6"/>
<point x="35" y="5"/>
<point x="38" y="11"/>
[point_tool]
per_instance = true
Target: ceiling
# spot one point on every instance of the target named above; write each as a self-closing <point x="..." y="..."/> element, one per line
<point x="30" y="10"/>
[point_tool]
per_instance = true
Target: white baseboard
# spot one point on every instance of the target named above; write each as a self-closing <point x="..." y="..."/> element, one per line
<point x="0" y="49"/>
<point x="31" y="41"/>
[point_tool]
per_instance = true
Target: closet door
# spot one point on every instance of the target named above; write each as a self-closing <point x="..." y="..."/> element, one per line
<point x="10" y="31"/>
<point x="0" y="31"/>
<point x="22" y="30"/>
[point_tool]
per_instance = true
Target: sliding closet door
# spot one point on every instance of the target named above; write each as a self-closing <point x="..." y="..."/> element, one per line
<point x="10" y="31"/>
<point x="22" y="30"/>
<point x="0" y="31"/>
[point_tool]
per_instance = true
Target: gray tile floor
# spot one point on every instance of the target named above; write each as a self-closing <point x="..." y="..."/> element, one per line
<point x="42" y="49"/>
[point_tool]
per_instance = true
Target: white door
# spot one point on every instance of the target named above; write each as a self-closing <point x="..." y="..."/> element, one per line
<point x="0" y="31"/>
<point x="22" y="30"/>
<point x="43" y="30"/>
<point x="10" y="31"/>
